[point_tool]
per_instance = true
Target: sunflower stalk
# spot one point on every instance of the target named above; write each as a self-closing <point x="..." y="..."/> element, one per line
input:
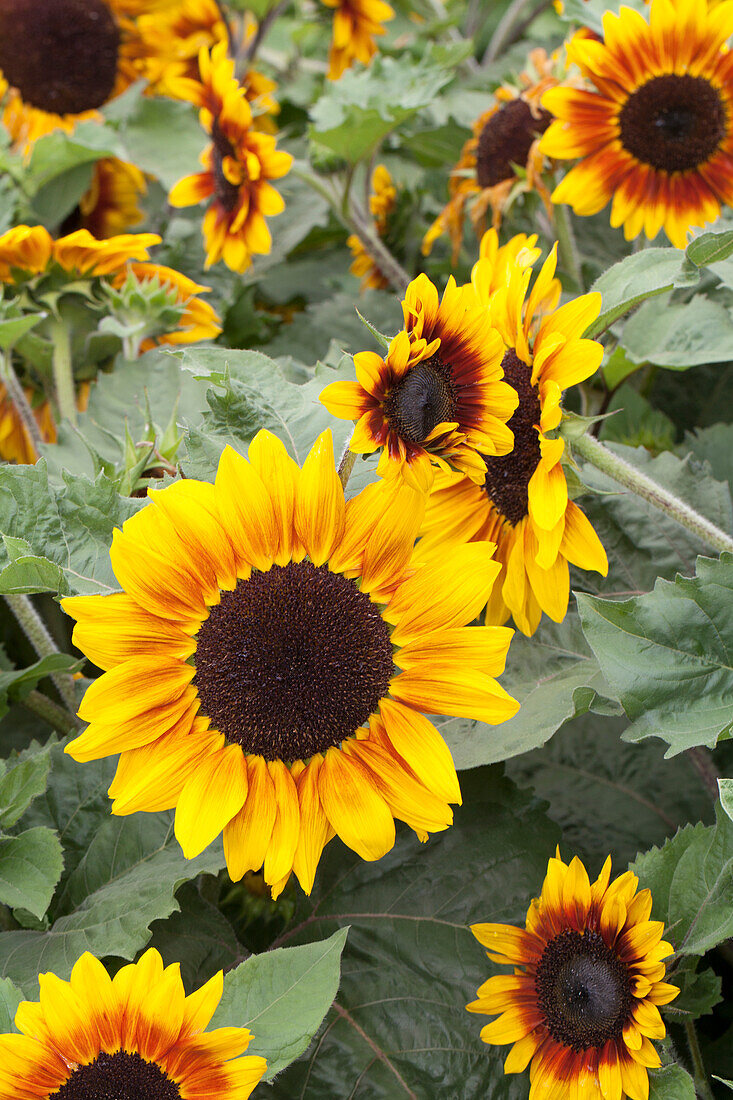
<point x="20" y="401"/>
<point x="567" y="246"/>
<point x="37" y="634"/>
<point x="388" y="264"/>
<point x="502" y="36"/>
<point x="702" y="1083"/>
<point x="626" y="474"/>
<point x="63" y="371"/>
<point x="55" y="716"/>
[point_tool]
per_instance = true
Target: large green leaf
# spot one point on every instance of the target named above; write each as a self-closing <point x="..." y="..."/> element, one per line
<point x="667" y="655"/>
<point x="15" y="684"/>
<point x="282" y="997"/>
<point x="679" y="335"/>
<point x="671" y="1083"/>
<point x="21" y="780"/>
<point x="10" y="998"/>
<point x="640" y="276"/>
<point x="30" y="866"/>
<point x="399" y="1027"/>
<point x="161" y="136"/>
<point x="198" y="936"/>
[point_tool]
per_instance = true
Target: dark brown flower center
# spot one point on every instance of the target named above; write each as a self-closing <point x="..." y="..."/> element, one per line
<point x="227" y="193"/>
<point x="424" y="397"/>
<point x="119" y="1076"/>
<point x="674" y="123"/>
<point x="292" y="661"/>
<point x="506" y="140"/>
<point x="507" y="478"/>
<point x="61" y="55"/>
<point x="583" y="990"/>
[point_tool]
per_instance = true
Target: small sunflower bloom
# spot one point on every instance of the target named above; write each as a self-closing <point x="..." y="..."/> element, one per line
<point x="238" y="166"/>
<point x="505" y="137"/>
<point x="521" y="502"/>
<point x="270" y="662"/>
<point x="198" y="321"/>
<point x="381" y="204"/>
<point x="356" y="23"/>
<point x="654" y="132"/>
<point x="134" y="1035"/>
<point x="437" y="398"/>
<point x="111" y="205"/>
<point x="581" y="1004"/>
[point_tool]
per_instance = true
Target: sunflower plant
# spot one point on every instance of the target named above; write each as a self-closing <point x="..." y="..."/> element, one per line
<point x="366" y="549"/>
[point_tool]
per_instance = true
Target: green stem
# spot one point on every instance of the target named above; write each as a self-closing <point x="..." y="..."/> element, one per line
<point x="620" y="470"/>
<point x="37" y="634"/>
<point x="702" y="1083"/>
<point x="63" y="371"/>
<point x="504" y="29"/>
<point x="567" y="248"/>
<point x="56" y="717"/>
<point x="20" y="401"/>
<point x="346" y="462"/>
<point x="702" y="761"/>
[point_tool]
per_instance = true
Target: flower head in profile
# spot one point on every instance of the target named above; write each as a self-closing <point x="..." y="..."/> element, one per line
<point x="62" y="61"/>
<point x="381" y="205"/>
<point x="502" y="157"/>
<point x="111" y="205"/>
<point x="270" y="662"/>
<point x="437" y="398"/>
<point x="132" y="1036"/>
<point x="581" y="1004"/>
<point x="521" y="502"/>
<point x="238" y="166"/>
<point x="654" y="130"/>
<point x="356" y="23"/>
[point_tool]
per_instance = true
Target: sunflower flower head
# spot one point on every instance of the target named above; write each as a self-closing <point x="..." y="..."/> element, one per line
<point x="111" y="205"/>
<point x="238" y="166"/>
<point x="437" y="398"/>
<point x="64" y="60"/>
<point x="381" y="204"/>
<point x="132" y="1036"/>
<point x="505" y="138"/>
<point x="520" y="501"/>
<point x="654" y="127"/>
<point x="322" y="729"/>
<point x="588" y="976"/>
<point x="356" y="23"/>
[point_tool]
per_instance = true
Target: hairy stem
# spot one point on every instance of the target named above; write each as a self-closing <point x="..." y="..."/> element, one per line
<point x="702" y="761"/>
<point x="702" y="1082"/>
<point x="63" y="371"/>
<point x="37" y="634"/>
<point x="263" y="27"/>
<point x="625" y="474"/>
<point x="56" y="717"/>
<point x="20" y="401"/>
<point x="503" y="33"/>
<point x="567" y="247"/>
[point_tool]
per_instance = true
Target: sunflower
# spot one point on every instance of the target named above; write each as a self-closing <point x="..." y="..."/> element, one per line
<point x="655" y="134"/>
<point x="173" y="39"/>
<point x="134" y="1035"/>
<point x="521" y="501"/>
<point x="110" y="206"/>
<point x="64" y="60"/>
<point x="314" y="732"/>
<point x="381" y="204"/>
<point x="581" y="1003"/>
<point x="16" y="444"/>
<point x="356" y="23"/>
<point x="199" y="320"/>
<point x="238" y="165"/>
<point x="437" y="398"/>
<point x="505" y="137"/>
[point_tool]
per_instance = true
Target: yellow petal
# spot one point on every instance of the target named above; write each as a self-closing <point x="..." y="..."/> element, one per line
<point x="210" y="799"/>
<point x="353" y="806"/>
<point x="247" y="835"/>
<point x="284" y="840"/>
<point x="320" y="507"/>
<point x="246" y="510"/>
<point x="418" y="742"/>
<point x="280" y="475"/>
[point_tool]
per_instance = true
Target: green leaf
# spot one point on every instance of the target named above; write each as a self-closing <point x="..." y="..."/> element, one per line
<point x="121" y="874"/>
<point x="16" y="683"/>
<point x="636" y="423"/>
<point x="282" y="996"/>
<point x="691" y="879"/>
<point x="351" y="119"/>
<point x="398" y="1027"/>
<point x="24" y="779"/>
<point x="161" y="136"/>
<point x="638" y="277"/>
<point x="611" y="808"/>
<point x="554" y="676"/>
<point x="198" y="936"/>
<point x="680" y="335"/>
<point x="667" y="655"/>
<point x="708" y="248"/>
<point x="700" y="990"/>
<point x="13" y="328"/>
<point x="10" y="998"/>
<point x="30" y="866"/>
<point x="725" y="788"/>
<point x="58" y="152"/>
<point x="671" y="1083"/>
<point x="723" y="1081"/>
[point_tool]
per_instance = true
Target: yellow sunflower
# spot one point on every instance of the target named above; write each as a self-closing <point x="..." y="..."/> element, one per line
<point x="110" y="206"/>
<point x="250" y="675"/>
<point x="63" y="60"/>
<point x="16" y="444"/>
<point x="199" y="320"/>
<point x="655" y="134"/>
<point x="505" y="137"/>
<point x="588" y="975"/>
<point x="356" y="23"/>
<point x="381" y="204"/>
<point x="238" y="165"/>
<point x="134" y="1035"/>
<point x="437" y="399"/>
<point x="521" y="501"/>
